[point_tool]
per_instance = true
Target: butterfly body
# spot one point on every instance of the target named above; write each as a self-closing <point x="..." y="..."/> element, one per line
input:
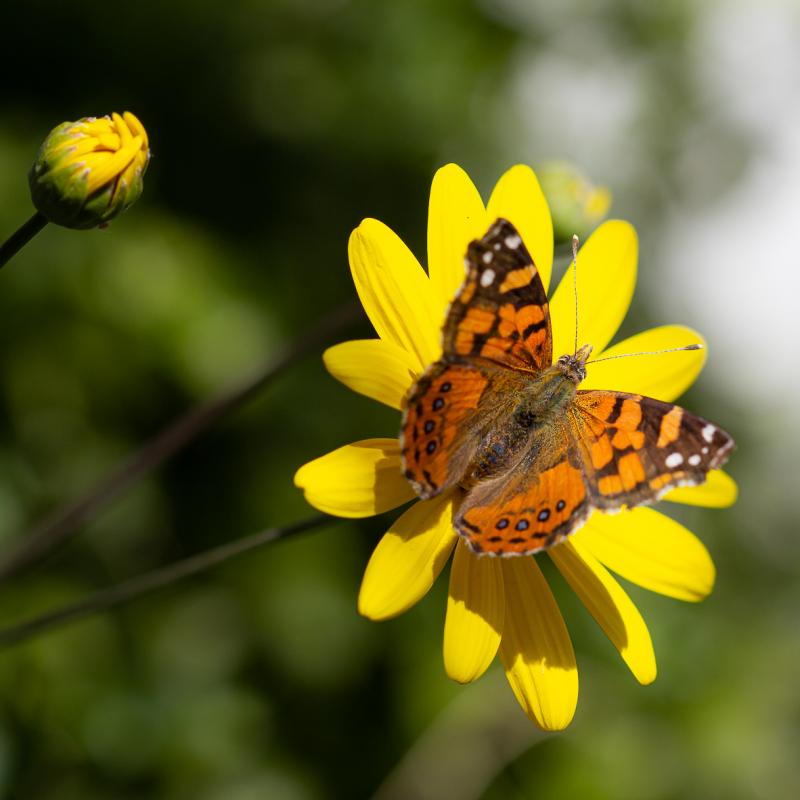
<point x="521" y="424"/>
<point x="531" y="453"/>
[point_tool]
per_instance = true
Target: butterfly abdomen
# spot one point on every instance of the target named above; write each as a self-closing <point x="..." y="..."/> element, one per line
<point x="500" y="451"/>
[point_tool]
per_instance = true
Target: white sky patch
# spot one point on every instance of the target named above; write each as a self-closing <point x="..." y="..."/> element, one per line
<point x="589" y="119"/>
<point x="738" y="260"/>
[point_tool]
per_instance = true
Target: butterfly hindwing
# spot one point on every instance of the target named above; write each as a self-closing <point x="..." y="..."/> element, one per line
<point x="534" y="506"/>
<point x="501" y="312"/>
<point x="438" y="436"/>
<point x="637" y="448"/>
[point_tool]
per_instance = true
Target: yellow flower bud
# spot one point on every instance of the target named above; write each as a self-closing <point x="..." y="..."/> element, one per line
<point x="87" y="172"/>
<point x="577" y="205"/>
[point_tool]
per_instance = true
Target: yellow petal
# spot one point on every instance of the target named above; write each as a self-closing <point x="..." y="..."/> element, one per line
<point x="394" y="290"/>
<point x="474" y="622"/>
<point x="456" y="216"/>
<point x="519" y="199"/>
<point x="408" y="558"/>
<point x="606" y="278"/>
<point x="374" y="367"/>
<point x="535" y="648"/>
<point x="357" y="480"/>
<point x="719" y="491"/>
<point x="105" y="167"/>
<point x="665" y="376"/>
<point x="610" y="605"/>
<point x="651" y="550"/>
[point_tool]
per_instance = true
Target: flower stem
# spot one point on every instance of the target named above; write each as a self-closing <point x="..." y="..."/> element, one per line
<point x="124" y="592"/>
<point x="63" y="522"/>
<point x="21" y="237"/>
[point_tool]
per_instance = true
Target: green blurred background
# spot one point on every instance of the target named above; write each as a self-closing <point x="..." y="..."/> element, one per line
<point x="275" y="128"/>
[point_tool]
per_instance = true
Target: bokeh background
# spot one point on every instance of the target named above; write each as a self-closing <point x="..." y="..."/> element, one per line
<point x="275" y="128"/>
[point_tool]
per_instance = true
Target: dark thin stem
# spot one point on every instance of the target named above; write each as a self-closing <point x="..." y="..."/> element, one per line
<point x="124" y="592"/>
<point x="62" y="523"/>
<point x="20" y="238"/>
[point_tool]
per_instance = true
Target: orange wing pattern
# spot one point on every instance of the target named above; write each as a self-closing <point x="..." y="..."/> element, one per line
<point x="636" y="448"/>
<point x="532" y="507"/>
<point x="613" y="450"/>
<point x="439" y="436"/>
<point x="501" y="312"/>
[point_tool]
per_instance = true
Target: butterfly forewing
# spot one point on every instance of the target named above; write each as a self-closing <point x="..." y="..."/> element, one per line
<point x="501" y="312"/>
<point x="637" y="448"/>
<point x="439" y="432"/>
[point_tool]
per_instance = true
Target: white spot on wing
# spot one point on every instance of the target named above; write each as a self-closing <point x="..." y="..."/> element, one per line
<point x="673" y="460"/>
<point x="694" y="460"/>
<point x="487" y="257"/>
<point x="488" y="277"/>
<point x="704" y="450"/>
<point x="708" y="432"/>
<point x="513" y="241"/>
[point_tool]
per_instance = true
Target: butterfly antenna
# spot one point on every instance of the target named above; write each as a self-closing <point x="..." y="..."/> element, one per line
<point x="649" y="353"/>
<point x="575" y="243"/>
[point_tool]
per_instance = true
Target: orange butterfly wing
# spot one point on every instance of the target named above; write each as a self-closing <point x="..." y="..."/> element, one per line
<point x="532" y="507"/>
<point x="438" y="436"/>
<point x="636" y="448"/>
<point x="500" y="312"/>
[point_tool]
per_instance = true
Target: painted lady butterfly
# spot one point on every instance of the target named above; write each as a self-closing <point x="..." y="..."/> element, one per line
<point x="533" y="454"/>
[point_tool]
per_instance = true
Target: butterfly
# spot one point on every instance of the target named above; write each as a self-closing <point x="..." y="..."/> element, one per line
<point x="532" y="454"/>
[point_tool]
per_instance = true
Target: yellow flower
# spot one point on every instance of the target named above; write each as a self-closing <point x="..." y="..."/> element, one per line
<point x="87" y="172"/>
<point x="505" y="606"/>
